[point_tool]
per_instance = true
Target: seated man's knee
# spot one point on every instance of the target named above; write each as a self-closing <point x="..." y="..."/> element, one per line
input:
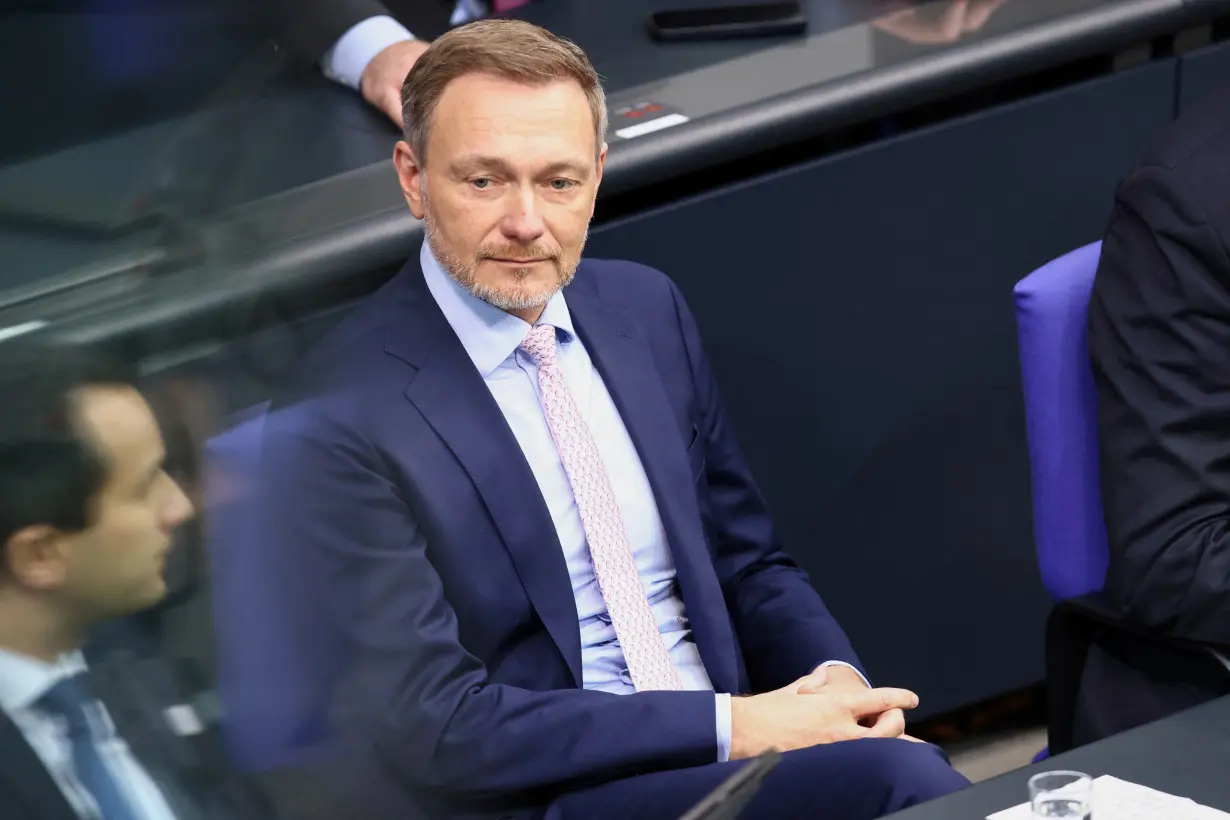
<point x="909" y="773"/>
<point x="856" y="780"/>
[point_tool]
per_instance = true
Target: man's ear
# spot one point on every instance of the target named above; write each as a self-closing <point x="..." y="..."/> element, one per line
<point x="34" y="557"/>
<point x="410" y="175"/>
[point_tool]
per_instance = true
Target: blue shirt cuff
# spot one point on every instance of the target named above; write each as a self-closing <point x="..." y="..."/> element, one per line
<point x="847" y="666"/>
<point x="345" y="62"/>
<point x="723" y="727"/>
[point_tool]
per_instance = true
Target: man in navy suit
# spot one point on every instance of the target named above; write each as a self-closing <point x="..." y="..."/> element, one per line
<point x="511" y="475"/>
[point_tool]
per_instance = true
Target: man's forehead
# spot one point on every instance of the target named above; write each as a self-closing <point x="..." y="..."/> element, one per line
<point x="506" y="103"/>
<point x="120" y="425"/>
<point x="512" y="124"/>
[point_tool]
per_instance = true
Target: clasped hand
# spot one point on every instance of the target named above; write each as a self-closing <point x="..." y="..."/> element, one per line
<point x="830" y="705"/>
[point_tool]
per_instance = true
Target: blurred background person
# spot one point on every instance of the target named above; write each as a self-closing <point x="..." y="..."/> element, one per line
<point x="92" y="724"/>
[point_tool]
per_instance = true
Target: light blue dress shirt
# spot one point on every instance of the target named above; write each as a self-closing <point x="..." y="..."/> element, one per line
<point x="491" y="338"/>
<point x="344" y="63"/>
<point x="23" y="681"/>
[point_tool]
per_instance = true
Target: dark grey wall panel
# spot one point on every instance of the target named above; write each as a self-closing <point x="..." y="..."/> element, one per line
<point x="1203" y="72"/>
<point x="858" y="311"/>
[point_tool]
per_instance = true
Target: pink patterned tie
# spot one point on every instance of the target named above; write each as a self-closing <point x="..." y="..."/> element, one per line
<point x="501" y="6"/>
<point x="649" y="664"/>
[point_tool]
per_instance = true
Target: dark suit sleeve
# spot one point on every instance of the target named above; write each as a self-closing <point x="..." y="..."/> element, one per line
<point x="783" y="626"/>
<point x="433" y="715"/>
<point x="309" y="28"/>
<point x="1159" y="340"/>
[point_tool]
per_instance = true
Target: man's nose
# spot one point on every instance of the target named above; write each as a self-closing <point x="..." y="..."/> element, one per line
<point x="523" y="222"/>
<point x="179" y="508"/>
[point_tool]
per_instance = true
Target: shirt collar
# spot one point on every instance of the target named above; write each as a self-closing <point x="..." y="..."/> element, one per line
<point x="23" y="679"/>
<point x="488" y="334"/>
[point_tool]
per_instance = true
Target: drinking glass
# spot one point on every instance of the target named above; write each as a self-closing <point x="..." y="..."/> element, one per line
<point x="1061" y="794"/>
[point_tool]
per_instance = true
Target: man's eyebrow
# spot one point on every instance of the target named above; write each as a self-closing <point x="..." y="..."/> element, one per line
<point x="472" y="162"/>
<point x="568" y="167"/>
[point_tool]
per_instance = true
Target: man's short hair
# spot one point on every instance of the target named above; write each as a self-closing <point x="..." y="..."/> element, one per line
<point x="512" y="49"/>
<point x="49" y="473"/>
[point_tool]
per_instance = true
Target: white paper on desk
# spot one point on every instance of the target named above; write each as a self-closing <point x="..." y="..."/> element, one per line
<point x="1115" y="799"/>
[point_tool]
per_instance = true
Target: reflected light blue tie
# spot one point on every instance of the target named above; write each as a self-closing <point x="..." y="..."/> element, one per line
<point x="68" y="699"/>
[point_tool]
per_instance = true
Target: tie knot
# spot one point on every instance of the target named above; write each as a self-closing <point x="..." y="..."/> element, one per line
<point x="540" y="344"/>
<point x="68" y="699"/>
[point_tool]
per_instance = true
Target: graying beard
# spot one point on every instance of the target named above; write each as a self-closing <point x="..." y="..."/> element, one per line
<point x="464" y="274"/>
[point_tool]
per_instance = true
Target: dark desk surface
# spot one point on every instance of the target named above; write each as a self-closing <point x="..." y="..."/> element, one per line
<point x="308" y="193"/>
<point x="856" y="62"/>
<point x="1185" y="755"/>
<point x="852" y="66"/>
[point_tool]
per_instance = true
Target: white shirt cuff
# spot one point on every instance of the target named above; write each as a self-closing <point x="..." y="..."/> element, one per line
<point x="847" y="666"/>
<point x="723" y="727"/>
<point x="345" y="62"/>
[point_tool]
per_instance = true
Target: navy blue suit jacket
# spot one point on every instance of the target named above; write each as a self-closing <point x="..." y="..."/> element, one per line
<point x="399" y="481"/>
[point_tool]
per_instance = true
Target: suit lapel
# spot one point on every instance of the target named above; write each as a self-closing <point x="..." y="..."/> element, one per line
<point x="137" y="691"/>
<point x="454" y="400"/>
<point x="24" y="776"/>
<point x="631" y="376"/>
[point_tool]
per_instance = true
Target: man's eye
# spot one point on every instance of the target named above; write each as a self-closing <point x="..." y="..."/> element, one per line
<point x="562" y="184"/>
<point x="481" y="183"/>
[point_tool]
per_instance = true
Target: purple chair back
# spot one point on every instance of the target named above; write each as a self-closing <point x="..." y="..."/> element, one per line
<point x="1061" y="423"/>
<point x="275" y="656"/>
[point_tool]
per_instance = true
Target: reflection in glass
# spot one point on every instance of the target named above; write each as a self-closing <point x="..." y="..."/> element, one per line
<point x="937" y="24"/>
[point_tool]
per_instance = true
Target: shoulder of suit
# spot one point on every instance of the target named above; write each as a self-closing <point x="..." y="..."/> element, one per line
<point x="1192" y="156"/>
<point x="622" y="280"/>
<point x="342" y="352"/>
